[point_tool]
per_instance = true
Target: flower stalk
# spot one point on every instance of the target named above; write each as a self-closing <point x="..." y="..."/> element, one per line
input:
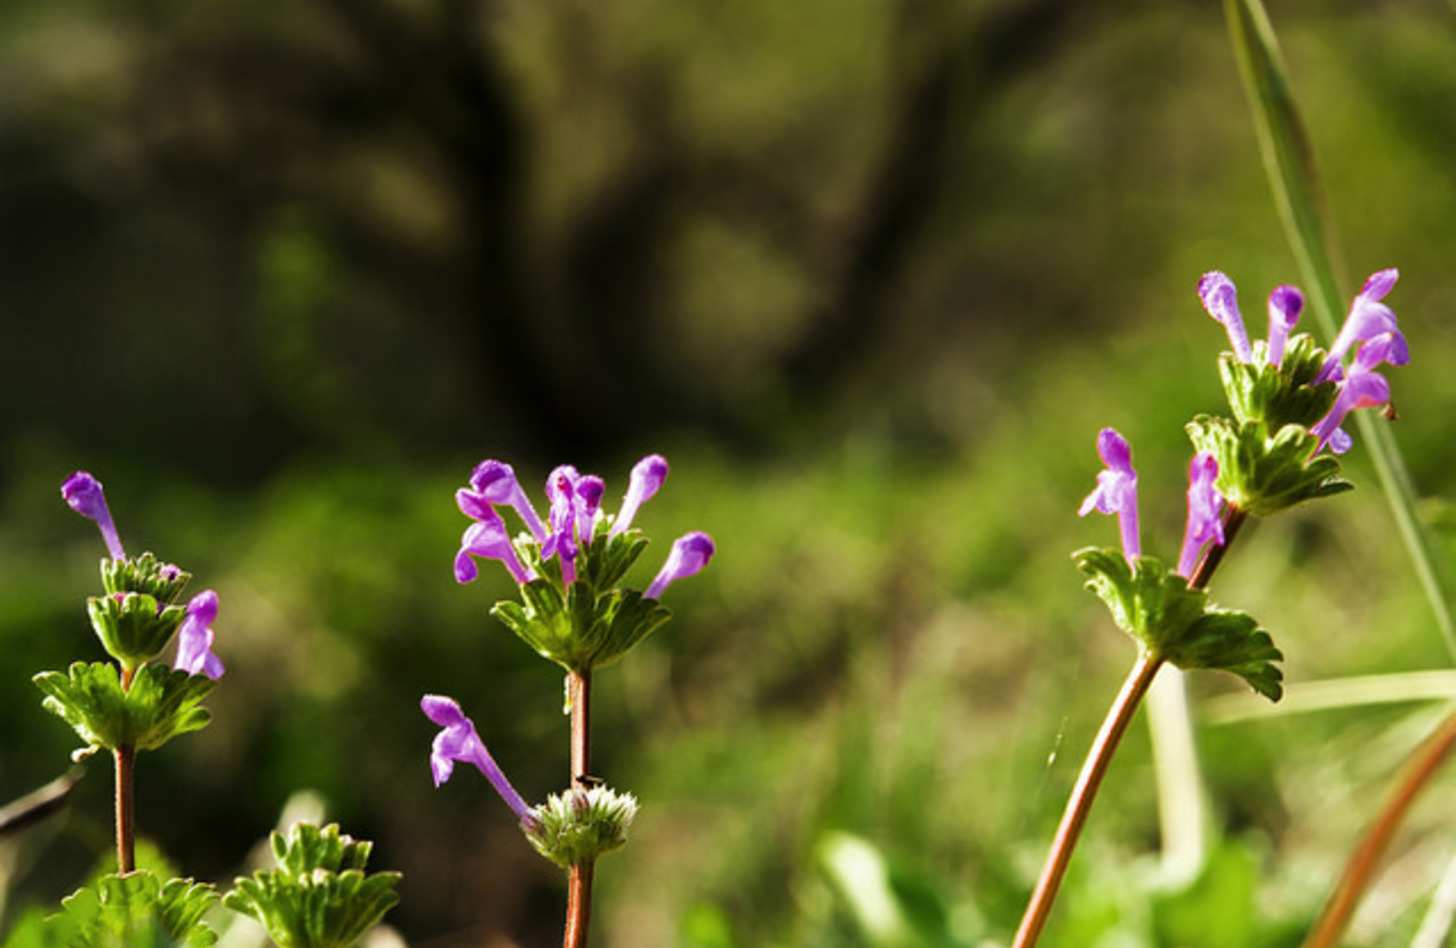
<point x="1094" y="768"/>
<point x="1356" y="875"/>
<point x="125" y="809"/>
<point x="579" y="876"/>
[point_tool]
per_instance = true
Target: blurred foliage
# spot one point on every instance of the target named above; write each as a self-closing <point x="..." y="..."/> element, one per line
<point x="870" y="274"/>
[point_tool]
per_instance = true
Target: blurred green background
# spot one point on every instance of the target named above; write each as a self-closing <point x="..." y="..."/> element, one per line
<point x="871" y="273"/>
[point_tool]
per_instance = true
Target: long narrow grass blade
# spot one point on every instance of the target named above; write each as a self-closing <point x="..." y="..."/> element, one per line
<point x="1294" y="178"/>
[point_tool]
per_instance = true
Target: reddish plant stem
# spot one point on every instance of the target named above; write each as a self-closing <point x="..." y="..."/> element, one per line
<point x="1233" y="519"/>
<point x="1424" y="763"/>
<point x="579" y="877"/>
<point x="1099" y="757"/>
<point x="125" y="818"/>
<point x="125" y="796"/>
<point x="1085" y="791"/>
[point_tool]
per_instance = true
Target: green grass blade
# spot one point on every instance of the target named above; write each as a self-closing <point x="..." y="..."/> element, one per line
<point x="1294" y="178"/>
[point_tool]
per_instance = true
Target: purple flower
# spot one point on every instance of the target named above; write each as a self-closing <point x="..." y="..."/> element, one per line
<point x="458" y="741"/>
<point x="1221" y="300"/>
<point x="1368" y="318"/>
<point x="565" y="504"/>
<point x="1285" y="304"/>
<point x="690" y="553"/>
<point x="589" y="491"/>
<point x="83" y="492"/>
<point x="488" y="538"/>
<point x="1363" y="387"/>
<point x="647" y="476"/>
<point x="1116" y="490"/>
<point x="1204" y="503"/>
<point x="495" y="482"/>
<point x="194" y="638"/>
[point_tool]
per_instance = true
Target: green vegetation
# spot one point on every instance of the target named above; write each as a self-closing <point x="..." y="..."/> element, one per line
<point x="871" y="276"/>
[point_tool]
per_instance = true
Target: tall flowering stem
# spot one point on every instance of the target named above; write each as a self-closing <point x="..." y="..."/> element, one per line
<point x="574" y="610"/>
<point x="1144" y="669"/>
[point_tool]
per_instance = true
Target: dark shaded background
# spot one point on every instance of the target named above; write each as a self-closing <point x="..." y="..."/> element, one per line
<point x="871" y="274"/>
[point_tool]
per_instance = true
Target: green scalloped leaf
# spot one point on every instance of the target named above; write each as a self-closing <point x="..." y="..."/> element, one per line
<point x="1174" y="622"/>
<point x="144" y="574"/>
<point x="307" y="902"/>
<point x="161" y="704"/>
<point x="130" y="911"/>
<point x="133" y="627"/>
<point x="1280" y="395"/>
<point x="583" y="630"/>
<point x="1262" y="475"/>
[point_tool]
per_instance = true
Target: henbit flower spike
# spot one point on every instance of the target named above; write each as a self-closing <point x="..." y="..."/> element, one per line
<point x="1363" y="387"/>
<point x="85" y="496"/>
<point x="690" y="553"/>
<point x="1221" y="300"/>
<point x="495" y="482"/>
<point x="1204" y="506"/>
<point x="487" y="537"/>
<point x="1116" y="490"/>
<point x="195" y="637"/>
<point x="458" y="741"/>
<point x="1285" y="304"/>
<point x="647" y="477"/>
<point x="1367" y="319"/>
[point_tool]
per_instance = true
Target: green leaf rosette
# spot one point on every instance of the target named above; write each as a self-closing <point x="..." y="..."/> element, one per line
<point x="319" y="896"/>
<point x="144" y="574"/>
<point x="593" y="623"/>
<point x="1175" y="623"/>
<point x="1278" y="395"/>
<point x="160" y="704"/>
<point x="133" y="627"/>
<point x="1260" y="474"/>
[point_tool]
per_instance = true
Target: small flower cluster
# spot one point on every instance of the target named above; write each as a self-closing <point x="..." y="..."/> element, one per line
<point x="1288" y="400"/>
<point x="137" y="617"/>
<point x="1116" y="493"/>
<point x="575" y="520"/>
<point x="1370" y="323"/>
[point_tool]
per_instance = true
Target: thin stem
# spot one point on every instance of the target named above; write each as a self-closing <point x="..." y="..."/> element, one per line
<point x="1361" y="865"/>
<point x="125" y="810"/>
<point x="1099" y="757"/>
<point x="579" y="878"/>
<point x="125" y="795"/>
<point x="1085" y="791"/>
<point x="1233" y="519"/>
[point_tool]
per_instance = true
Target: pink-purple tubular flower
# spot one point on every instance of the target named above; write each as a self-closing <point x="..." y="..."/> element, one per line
<point x="488" y="538"/>
<point x="1285" y="304"/>
<point x="1204" y="505"/>
<point x="495" y="482"/>
<point x="1362" y="387"/>
<point x="83" y="492"/>
<point x="689" y="554"/>
<point x="1221" y="300"/>
<point x="647" y="477"/>
<point x="1116" y="491"/>
<point x="565" y="505"/>
<point x="195" y="637"/>
<point x="458" y="741"/>
<point x="1368" y="318"/>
